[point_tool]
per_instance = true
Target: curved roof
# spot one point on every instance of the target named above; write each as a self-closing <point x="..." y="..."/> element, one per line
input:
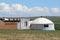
<point x="42" y="21"/>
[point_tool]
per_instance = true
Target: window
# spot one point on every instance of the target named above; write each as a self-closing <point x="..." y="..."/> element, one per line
<point x="46" y="25"/>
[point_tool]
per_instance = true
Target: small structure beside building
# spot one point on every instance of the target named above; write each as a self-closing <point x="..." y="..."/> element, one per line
<point x="23" y="24"/>
<point x="42" y="24"/>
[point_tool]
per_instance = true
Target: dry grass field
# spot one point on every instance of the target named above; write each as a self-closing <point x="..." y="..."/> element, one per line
<point x="29" y="35"/>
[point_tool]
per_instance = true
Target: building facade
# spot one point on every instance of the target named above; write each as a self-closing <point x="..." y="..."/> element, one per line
<point x="14" y="23"/>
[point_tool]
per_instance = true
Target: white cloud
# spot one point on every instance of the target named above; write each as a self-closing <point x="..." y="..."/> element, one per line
<point x="18" y="8"/>
<point x="55" y="10"/>
<point x="46" y="9"/>
<point x="26" y="9"/>
<point x="5" y="7"/>
<point x="36" y="9"/>
<point x="21" y="8"/>
<point x="39" y="10"/>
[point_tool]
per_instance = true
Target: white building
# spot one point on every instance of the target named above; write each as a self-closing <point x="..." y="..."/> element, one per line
<point x="23" y="24"/>
<point x="42" y="23"/>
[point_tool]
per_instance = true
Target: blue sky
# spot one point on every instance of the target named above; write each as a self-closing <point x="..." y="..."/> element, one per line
<point x="53" y="5"/>
<point x="32" y="3"/>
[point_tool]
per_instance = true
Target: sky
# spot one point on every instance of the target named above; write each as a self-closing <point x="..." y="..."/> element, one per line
<point x="20" y="8"/>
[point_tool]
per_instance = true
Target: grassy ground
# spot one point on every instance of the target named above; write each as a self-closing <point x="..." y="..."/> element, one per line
<point x="29" y="35"/>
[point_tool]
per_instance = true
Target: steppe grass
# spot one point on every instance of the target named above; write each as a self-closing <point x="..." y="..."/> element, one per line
<point x="29" y="35"/>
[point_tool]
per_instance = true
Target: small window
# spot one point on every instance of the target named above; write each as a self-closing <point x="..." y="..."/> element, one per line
<point x="46" y="25"/>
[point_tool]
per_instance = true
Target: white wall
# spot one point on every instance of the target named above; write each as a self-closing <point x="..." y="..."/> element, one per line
<point x="21" y="24"/>
<point x="51" y="27"/>
<point x="37" y="26"/>
<point x="41" y="26"/>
